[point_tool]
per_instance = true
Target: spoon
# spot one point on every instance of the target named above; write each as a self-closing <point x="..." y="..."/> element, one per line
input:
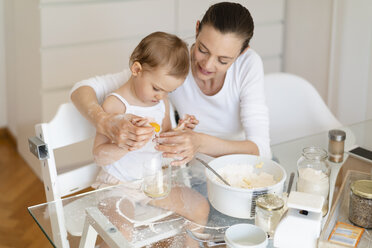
<point x="212" y="170"/>
<point x="210" y="240"/>
<point x="291" y="177"/>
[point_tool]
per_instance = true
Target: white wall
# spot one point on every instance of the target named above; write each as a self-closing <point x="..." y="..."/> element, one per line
<point x="3" y="111"/>
<point x="307" y="41"/>
<point x="329" y="43"/>
<point x="350" y="76"/>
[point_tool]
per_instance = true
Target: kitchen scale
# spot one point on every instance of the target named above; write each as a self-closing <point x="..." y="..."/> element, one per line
<point x="301" y="226"/>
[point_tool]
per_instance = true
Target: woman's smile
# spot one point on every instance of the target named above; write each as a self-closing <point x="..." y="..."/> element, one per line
<point x="204" y="71"/>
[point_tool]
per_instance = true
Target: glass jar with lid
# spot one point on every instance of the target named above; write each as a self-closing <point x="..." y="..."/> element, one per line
<point x="269" y="210"/>
<point x="336" y="145"/>
<point x="313" y="174"/>
<point x="360" y="207"/>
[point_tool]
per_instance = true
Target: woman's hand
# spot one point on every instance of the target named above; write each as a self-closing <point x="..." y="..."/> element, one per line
<point x="125" y="130"/>
<point x="180" y="145"/>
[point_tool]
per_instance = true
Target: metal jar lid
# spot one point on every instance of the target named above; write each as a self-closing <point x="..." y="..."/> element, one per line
<point x="337" y="135"/>
<point x="270" y="202"/>
<point x="314" y="153"/>
<point x="362" y="188"/>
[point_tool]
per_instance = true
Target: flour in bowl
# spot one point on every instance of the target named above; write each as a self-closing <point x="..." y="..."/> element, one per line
<point x="243" y="176"/>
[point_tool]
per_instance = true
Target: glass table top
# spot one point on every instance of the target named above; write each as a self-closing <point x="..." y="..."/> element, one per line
<point x="148" y="223"/>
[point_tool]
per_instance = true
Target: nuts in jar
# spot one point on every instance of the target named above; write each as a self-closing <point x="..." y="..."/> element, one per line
<point x="360" y="207"/>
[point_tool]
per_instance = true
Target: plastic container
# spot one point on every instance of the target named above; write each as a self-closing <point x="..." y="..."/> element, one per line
<point x="360" y="208"/>
<point x="313" y="174"/>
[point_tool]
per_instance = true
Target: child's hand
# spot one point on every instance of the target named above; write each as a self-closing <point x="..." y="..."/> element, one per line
<point x="188" y="121"/>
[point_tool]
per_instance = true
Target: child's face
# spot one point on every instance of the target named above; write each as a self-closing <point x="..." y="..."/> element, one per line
<point x="151" y="86"/>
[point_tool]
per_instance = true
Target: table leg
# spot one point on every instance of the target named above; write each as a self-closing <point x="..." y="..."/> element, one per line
<point x="97" y="223"/>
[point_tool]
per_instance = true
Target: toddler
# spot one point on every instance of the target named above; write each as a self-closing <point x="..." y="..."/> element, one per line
<point x="158" y="65"/>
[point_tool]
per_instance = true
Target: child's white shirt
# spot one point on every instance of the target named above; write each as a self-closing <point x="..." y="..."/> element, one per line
<point x="131" y="165"/>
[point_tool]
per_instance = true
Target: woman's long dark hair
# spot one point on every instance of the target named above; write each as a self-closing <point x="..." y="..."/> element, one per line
<point x="229" y="17"/>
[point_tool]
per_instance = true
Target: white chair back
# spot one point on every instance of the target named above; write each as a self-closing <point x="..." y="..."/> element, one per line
<point x="68" y="127"/>
<point x="295" y="107"/>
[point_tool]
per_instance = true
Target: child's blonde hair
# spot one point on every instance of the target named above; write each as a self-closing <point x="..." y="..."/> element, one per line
<point x="162" y="49"/>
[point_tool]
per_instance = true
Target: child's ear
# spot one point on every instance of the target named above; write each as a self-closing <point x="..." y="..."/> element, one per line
<point x="136" y="68"/>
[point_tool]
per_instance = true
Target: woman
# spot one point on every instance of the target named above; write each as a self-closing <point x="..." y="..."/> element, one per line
<point x="224" y="90"/>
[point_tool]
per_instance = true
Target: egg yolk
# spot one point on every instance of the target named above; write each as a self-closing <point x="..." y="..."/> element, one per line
<point x="156" y="126"/>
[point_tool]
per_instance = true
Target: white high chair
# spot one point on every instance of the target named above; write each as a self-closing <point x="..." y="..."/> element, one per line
<point x="69" y="127"/>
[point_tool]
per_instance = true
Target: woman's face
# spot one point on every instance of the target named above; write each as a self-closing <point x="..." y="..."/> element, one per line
<point x="214" y="52"/>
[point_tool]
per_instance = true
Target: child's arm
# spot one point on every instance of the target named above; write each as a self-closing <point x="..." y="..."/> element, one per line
<point x="188" y="121"/>
<point x="166" y="124"/>
<point x="105" y="152"/>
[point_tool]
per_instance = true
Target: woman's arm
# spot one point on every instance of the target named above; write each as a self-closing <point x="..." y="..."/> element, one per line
<point x="85" y="100"/>
<point x="104" y="151"/>
<point x="184" y="144"/>
<point x="254" y="114"/>
<point x="216" y="147"/>
<point x="119" y="130"/>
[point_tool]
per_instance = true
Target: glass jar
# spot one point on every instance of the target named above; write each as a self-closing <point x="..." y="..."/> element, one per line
<point x="269" y="210"/>
<point x="336" y="145"/>
<point x="313" y="174"/>
<point x="360" y="208"/>
<point x="156" y="176"/>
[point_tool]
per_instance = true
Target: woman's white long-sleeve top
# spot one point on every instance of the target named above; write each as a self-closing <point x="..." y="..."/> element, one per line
<point x="237" y="112"/>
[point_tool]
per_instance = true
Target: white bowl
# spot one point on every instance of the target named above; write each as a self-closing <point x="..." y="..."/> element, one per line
<point x="245" y="236"/>
<point x="240" y="202"/>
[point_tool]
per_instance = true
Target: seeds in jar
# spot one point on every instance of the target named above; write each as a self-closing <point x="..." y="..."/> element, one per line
<point x="360" y="208"/>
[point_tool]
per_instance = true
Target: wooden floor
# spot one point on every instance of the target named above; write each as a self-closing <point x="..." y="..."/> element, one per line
<point x="19" y="188"/>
